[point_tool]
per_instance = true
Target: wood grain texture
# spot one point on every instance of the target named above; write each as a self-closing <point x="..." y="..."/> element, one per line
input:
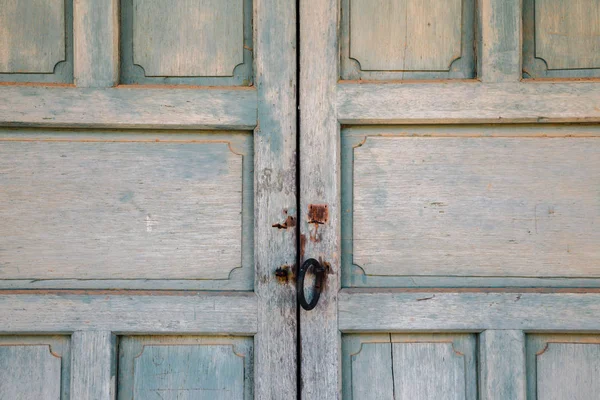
<point x="562" y="366"/>
<point x="186" y="312"/>
<point x="499" y="207"/>
<point x="500" y="50"/>
<point x="502" y="365"/>
<point x="29" y="372"/>
<point x="32" y="35"/>
<point x="415" y="40"/>
<point x="128" y="108"/>
<point x="188" y="37"/>
<point x="320" y="339"/>
<point x="96" y="42"/>
<point x="120" y="210"/>
<point x="409" y="366"/>
<point x="185" y="367"/>
<point x="405" y="35"/>
<point x="275" y="199"/>
<point x="467" y="102"/>
<point x="568" y="370"/>
<point x="472" y="310"/>
<point x="567" y="33"/>
<point x="94" y="365"/>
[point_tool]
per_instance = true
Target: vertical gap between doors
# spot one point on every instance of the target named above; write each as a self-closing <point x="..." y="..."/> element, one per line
<point x="298" y="205"/>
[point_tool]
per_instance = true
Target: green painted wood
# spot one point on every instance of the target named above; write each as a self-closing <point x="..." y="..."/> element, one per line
<point x="96" y="27"/>
<point x="36" y="41"/>
<point x="78" y="209"/>
<point x="409" y="366"/>
<point x="561" y="39"/>
<point x="467" y="103"/>
<point x="150" y="108"/>
<point x="185" y="367"/>
<point x="502" y="365"/>
<point x="388" y="310"/>
<point x="35" y="367"/>
<point x="207" y="42"/>
<point x="414" y="40"/>
<point x="561" y="366"/>
<point x="499" y="52"/>
<point x="94" y="356"/>
<point x="133" y="312"/>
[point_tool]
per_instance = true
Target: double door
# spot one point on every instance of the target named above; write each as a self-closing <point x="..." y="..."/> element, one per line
<point x="167" y="168"/>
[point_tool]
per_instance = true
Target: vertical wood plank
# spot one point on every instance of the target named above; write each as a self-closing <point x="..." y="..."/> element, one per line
<point x="501" y="49"/>
<point x="320" y="176"/>
<point x="502" y="365"/>
<point x="96" y="42"/>
<point x="275" y="199"/>
<point x="93" y="360"/>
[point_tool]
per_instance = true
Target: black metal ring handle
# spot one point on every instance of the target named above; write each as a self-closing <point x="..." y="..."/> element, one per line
<point x="320" y="274"/>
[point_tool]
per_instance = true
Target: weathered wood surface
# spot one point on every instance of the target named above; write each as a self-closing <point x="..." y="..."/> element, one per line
<point x="94" y="365"/>
<point x="320" y="176"/>
<point x="500" y="34"/>
<point x="32" y="35"/>
<point x="29" y="371"/>
<point x="561" y="366"/>
<point x="405" y="35"/>
<point x="409" y="366"/>
<point x="471" y="310"/>
<point x="502" y="207"/>
<point x="117" y="209"/>
<point x="467" y="102"/>
<point x="567" y="33"/>
<point x="502" y="365"/>
<point x="275" y="199"/>
<point x="96" y="43"/>
<point x="188" y="37"/>
<point x="129" y="312"/>
<point x="194" y="367"/>
<point x="35" y="367"/>
<point x="128" y="107"/>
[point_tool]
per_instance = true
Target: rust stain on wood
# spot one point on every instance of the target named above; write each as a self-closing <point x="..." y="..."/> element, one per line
<point x="318" y="214"/>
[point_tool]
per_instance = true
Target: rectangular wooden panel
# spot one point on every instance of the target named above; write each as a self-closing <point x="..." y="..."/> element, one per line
<point x="133" y="107"/>
<point x="386" y="310"/>
<point x="185" y="367"/>
<point x="36" y="41"/>
<point x="407" y="39"/>
<point x="34" y="367"/>
<point x="206" y="42"/>
<point x="135" y="312"/>
<point x="124" y="207"/>
<point x="409" y="366"/>
<point x="477" y="207"/>
<point x="561" y="38"/>
<point x="563" y="367"/>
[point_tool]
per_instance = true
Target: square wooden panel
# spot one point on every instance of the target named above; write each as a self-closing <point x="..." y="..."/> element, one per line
<point x="190" y="42"/>
<point x="127" y="210"/>
<point x="185" y="367"/>
<point x="407" y="39"/>
<point x="409" y="366"/>
<point x="34" y="367"/>
<point x="36" y="41"/>
<point x="561" y="39"/>
<point x="563" y="366"/>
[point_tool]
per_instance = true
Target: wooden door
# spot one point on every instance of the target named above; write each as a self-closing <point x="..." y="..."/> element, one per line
<point x="147" y="199"/>
<point x="453" y="148"/>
